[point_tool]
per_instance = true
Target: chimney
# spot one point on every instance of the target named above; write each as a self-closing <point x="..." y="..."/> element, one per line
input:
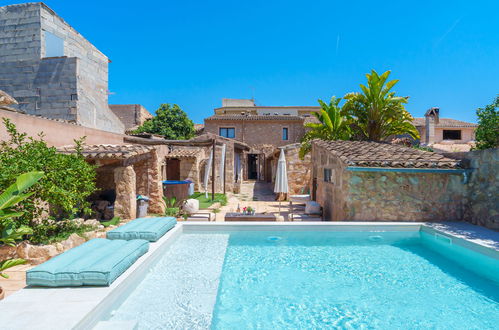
<point x="431" y="119"/>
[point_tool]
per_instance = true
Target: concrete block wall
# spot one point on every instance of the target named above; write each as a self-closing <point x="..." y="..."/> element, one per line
<point x="71" y="87"/>
<point x="131" y="115"/>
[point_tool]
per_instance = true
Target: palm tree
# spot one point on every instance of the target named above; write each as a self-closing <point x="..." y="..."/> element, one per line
<point x="376" y="113"/>
<point x="332" y="125"/>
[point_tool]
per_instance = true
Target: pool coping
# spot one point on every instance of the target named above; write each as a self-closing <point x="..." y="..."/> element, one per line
<point x="84" y="307"/>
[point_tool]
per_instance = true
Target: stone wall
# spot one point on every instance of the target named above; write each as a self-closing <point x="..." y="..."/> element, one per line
<point x="259" y="132"/>
<point x="331" y="196"/>
<point x="73" y="86"/>
<point x="387" y="196"/>
<point x="481" y="205"/>
<point x="396" y="196"/>
<point x="299" y="171"/>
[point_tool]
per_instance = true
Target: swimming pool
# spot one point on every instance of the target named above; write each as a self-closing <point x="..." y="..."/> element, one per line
<point x="315" y="279"/>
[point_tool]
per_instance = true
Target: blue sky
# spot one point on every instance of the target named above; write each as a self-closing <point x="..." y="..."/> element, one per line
<point x="194" y="53"/>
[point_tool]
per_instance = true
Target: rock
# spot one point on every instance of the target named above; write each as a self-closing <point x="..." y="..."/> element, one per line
<point x="59" y="247"/>
<point x="36" y="254"/>
<point x="72" y="241"/>
<point x="92" y="222"/>
<point x="79" y="221"/>
<point x="95" y="234"/>
<point x="7" y="252"/>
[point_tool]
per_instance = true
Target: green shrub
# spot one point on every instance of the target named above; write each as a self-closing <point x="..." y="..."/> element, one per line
<point x="67" y="183"/>
<point x="50" y="231"/>
<point x="487" y="132"/>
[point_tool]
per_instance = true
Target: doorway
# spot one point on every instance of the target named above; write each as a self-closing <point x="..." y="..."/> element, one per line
<point x="252" y="166"/>
<point x="173" y="169"/>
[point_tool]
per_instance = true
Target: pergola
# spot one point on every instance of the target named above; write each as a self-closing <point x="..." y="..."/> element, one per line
<point x="130" y="170"/>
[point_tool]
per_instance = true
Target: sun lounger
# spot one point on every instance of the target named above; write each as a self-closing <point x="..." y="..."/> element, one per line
<point x="150" y="229"/>
<point x="97" y="262"/>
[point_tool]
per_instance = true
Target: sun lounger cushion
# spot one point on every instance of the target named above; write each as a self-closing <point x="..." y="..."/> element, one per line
<point x="97" y="262"/>
<point x="150" y="229"/>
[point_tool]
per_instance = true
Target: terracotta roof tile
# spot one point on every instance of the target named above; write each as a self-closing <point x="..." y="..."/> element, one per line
<point x="179" y="152"/>
<point x="109" y="151"/>
<point x="375" y="154"/>
<point x="444" y="122"/>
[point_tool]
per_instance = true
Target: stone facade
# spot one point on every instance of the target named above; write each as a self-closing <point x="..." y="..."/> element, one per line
<point x="71" y="86"/>
<point x="131" y="115"/>
<point x="258" y="130"/>
<point x="481" y="204"/>
<point x="385" y="194"/>
<point x="299" y="170"/>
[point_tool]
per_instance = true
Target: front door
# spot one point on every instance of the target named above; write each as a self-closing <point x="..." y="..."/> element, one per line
<point x="252" y="167"/>
<point x="173" y="169"/>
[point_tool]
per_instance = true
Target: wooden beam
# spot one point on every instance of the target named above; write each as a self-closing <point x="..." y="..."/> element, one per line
<point x="225" y="167"/>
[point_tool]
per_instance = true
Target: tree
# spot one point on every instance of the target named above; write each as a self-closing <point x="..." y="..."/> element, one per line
<point x="487" y="132"/>
<point x="171" y="122"/>
<point x="376" y="113"/>
<point x="332" y="125"/>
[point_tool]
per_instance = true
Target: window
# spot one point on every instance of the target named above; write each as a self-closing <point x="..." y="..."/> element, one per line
<point x="285" y="134"/>
<point x="328" y="175"/>
<point x="54" y="46"/>
<point x="228" y="132"/>
<point x="452" y="134"/>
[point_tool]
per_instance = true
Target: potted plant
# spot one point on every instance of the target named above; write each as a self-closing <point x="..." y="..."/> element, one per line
<point x="9" y="233"/>
<point x="250" y="210"/>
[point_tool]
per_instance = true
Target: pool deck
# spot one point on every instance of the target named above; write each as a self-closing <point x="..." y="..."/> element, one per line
<point x="83" y="307"/>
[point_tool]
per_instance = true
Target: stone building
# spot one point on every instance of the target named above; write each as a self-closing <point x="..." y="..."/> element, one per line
<point x="370" y="181"/>
<point x="123" y="172"/>
<point x="436" y="130"/>
<point x="52" y="70"/>
<point x="263" y="133"/>
<point x="131" y="115"/>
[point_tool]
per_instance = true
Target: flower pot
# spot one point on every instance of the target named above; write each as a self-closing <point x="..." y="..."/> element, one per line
<point x="2" y="293"/>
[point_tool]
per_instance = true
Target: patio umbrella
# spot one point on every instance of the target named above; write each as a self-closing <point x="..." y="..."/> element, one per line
<point x="281" y="177"/>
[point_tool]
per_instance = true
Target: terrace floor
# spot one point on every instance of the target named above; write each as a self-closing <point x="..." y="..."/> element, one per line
<point x="258" y="195"/>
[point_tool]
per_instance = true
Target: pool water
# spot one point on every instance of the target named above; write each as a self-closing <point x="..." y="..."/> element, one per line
<point x="313" y="280"/>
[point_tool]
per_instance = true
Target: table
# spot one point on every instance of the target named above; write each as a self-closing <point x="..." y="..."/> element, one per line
<point x="246" y="217"/>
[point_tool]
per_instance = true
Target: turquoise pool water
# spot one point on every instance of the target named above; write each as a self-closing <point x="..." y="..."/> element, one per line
<point x="314" y="280"/>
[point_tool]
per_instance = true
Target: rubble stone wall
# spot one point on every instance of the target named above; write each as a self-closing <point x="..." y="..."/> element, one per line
<point x="396" y="196"/>
<point x="482" y="191"/>
<point x="299" y="171"/>
<point x="387" y="196"/>
<point x="259" y="132"/>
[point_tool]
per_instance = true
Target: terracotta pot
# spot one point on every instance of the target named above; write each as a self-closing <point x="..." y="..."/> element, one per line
<point x="2" y="293"/>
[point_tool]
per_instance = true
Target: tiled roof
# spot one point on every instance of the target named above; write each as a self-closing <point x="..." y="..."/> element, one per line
<point x="109" y="151"/>
<point x="179" y="152"/>
<point x="254" y="117"/>
<point x="375" y="154"/>
<point x="444" y="122"/>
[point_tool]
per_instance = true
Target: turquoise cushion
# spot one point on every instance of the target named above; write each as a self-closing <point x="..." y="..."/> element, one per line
<point x="150" y="229"/>
<point x="97" y="262"/>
